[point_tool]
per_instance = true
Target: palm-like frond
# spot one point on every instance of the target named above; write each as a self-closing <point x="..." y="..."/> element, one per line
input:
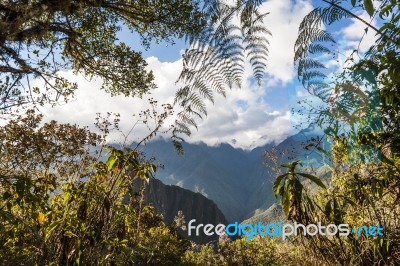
<point x="313" y="41"/>
<point x="215" y="60"/>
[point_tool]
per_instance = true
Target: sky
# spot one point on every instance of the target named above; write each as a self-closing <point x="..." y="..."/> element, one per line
<point x="248" y="117"/>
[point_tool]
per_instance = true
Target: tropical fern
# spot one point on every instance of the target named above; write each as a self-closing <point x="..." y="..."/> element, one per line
<point x="215" y="60"/>
<point x="313" y="41"/>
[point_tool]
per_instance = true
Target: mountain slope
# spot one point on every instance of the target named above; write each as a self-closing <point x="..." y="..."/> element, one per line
<point x="168" y="200"/>
<point x="236" y="180"/>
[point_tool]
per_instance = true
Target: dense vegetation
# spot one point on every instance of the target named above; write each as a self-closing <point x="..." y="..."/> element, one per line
<point x="66" y="195"/>
<point x="360" y="116"/>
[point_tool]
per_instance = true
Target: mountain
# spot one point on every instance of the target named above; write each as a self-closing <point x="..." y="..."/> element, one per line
<point x="168" y="200"/>
<point x="235" y="179"/>
<point x="273" y="214"/>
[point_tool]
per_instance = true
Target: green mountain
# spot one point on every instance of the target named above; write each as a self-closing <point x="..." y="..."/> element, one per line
<point x="273" y="214"/>
<point x="235" y="179"/>
<point x="168" y="200"/>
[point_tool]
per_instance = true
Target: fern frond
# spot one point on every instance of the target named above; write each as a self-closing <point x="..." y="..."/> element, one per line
<point x="312" y="41"/>
<point x="180" y="128"/>
<point x="216" y="57"/>
<point x="187" y="119"/>
<point x="305" y="64"/>
<point x="315" y="48"/>
<point x="204" y="90"/>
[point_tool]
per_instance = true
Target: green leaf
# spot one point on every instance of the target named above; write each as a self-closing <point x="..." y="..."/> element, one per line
<point x="279" y="191"/>
<point x="276" y="185"/>
<point x="286" y="203"/>
<point x="369" y="7"/>
<point x="353" y="2"/>
<point x="51" y="228"/>
<point x="328" y="208"/>
<point x="315" y="179"/>
<point x="291" y="165"/>
<point x="110" y="162"/>
<point x="80" y="251"/>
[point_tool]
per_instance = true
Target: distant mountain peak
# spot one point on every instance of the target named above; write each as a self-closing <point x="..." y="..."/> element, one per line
<point x="237" y="180"/>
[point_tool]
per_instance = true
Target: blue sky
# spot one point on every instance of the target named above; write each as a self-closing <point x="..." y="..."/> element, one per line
<point x="253" y="115"/>
<point x="164" y="51"/>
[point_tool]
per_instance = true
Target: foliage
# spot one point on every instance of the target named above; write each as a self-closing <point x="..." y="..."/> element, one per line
<point x="313" y="40"/>
<point x="258" y="251"/>
<point x="294" y="197"/>
<point x="62" y="205"/>
<point x="360" y="117"/>
<point x="64" y="202"/>
<point x="41" y="38"/>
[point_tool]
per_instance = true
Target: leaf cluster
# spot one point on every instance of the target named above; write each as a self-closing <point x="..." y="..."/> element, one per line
<point x="38" y="39"/>
<point x="62" y="204"/>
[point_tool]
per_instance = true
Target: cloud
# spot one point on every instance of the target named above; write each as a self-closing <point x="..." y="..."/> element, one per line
<point x="89" y="100"/>
<point x="301" y="92"/>
<point x="357" y="30"/>
<point x="244" y="115"/>
<point x="283" y="21"/>
<point x="356" y="35"/>
<point x="250" y="127"/>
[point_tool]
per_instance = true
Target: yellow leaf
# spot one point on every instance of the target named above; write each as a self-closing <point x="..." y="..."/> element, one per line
<point x="41" y="218"/>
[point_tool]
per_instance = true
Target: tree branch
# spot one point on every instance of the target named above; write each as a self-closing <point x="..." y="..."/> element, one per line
<point x="360" y="19"/>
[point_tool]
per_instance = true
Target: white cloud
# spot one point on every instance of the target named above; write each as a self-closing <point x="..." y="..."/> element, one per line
<point x="283" y="22"/>
<point x="244" y="115"/>
<point x="356" y="31"/>
<point x="301" y="92"/>
<point x="89" y="100"/>
<point x="252" y="127"/>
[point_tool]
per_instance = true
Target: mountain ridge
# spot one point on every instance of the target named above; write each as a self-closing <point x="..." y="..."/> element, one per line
<point x="168" y="200"/>
<point x="235" y="179"/>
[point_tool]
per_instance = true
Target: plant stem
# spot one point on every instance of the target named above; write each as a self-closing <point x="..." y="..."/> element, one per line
<point x="360" y="19"/>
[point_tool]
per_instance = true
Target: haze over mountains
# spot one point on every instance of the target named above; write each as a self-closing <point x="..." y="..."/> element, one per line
<point x="236" y="180"/>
